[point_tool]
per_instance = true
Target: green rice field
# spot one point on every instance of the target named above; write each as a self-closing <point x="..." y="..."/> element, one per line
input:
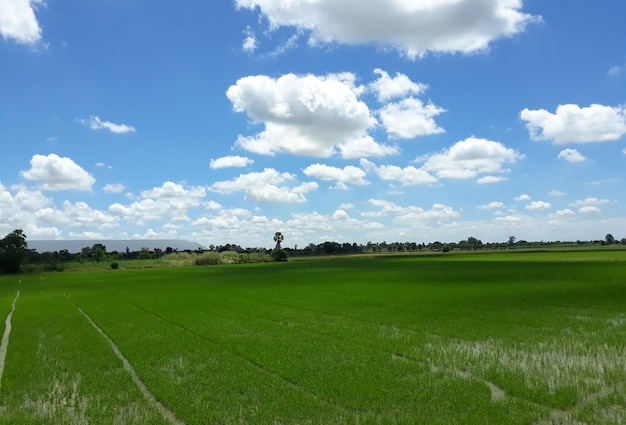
<point x="510" y="338"/>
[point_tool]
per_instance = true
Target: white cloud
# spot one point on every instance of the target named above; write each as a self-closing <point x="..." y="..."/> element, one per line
<point x="412" y="27"/>
<point x="557" y="193"/>
<point x="306" y="115"/>
<point x="491" y="179"/>
<point x="400" y="86"/>
<point x="589" y="209"/>
<point x="410" y="118"/>
<point x="573" y="124"/>
<point x="171" y="190"/>
<point x="411" y="214"/>
<point x="171" y="201"/>
<point x="538" y="205"/>
<point x="491" y="206"/>
<point x="113" y="188"/>
<point x="95" y="123"/>
<point x="522" y="197"/>
<point x="80" y="214"/>
<point x="18" y="21"/>
<point x="571" y="155"/>
<point x="589" y="201"/>
<point x="250" y="43"/>
<point x="57" y="173"/>
<point x="470" y="158"/>
<point x="230" y="161"/>
<point x="408" y="176"/>
<point x="616" y="70"/>
<point x="347" y="175"/>
<point x="266" y="186"/>
<point x="565" y="212"/>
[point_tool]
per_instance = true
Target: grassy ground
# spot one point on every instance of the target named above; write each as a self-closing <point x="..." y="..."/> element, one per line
<point x="535" y="337"/>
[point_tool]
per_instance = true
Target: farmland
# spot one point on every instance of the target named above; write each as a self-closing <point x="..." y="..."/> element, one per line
<point x="524" y="338"/>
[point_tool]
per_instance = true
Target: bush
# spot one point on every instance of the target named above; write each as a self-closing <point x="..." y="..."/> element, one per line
<point x="115" y="266"/>
<point x="446" y="248"/>
<point x="230" y="257"/>
<point x="207" y="259"/>
<point x="279" y="255"/>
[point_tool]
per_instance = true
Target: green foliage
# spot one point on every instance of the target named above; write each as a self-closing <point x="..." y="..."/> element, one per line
<point x="230" y="257"/>
<point x="13" y="251"/>
<point x="279" y="255"/>
<point x="115" y="265"/>
<point x="208" y="259"/>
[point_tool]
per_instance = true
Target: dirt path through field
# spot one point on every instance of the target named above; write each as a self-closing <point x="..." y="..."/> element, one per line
<point x="4" y="345"/>
<point x="165" y="411"/>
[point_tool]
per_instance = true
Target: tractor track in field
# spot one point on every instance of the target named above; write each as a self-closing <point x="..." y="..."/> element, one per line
<point x="251" y="362"/>
<point x="167" y="414"/>
<point x="4" y="345"/>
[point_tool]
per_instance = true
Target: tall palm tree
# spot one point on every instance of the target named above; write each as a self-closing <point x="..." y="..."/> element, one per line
<point x="278" y="238"/>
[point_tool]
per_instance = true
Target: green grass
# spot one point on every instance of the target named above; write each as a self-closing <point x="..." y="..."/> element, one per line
<point x="529" y="337"/>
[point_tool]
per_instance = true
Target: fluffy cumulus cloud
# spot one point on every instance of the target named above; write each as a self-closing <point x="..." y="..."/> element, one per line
<point x="491" y="179"/>
<point x="319" y="116"/>
<point x="58" y="173"/>
<point x="408" y="176"/>
<point x="342" y="176"/>
<point x="538" y="205"/>
<point x="235" y="161"/>
<point x="573" y="124"/>
<point x="303" y="115"/>
<point x="399" y="86"/>
<point x="113" y="188"/>
<point x="411" y="214"/>
<point x="571" y="155"/>
<point x="470" y="158"/>
<point x="267" y="186"/>
<point x="18" y="21"/>
<point x="412" y="27"/>
<point x="410" y="118"/>
<point x="95" y="123"/>
<point x="492" y="205"/>
<point x="589" y="202"/>
<point x="170" y="201"/>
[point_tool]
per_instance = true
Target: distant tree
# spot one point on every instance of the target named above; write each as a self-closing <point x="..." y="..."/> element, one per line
<point x="474" y="243"/>
<point x="13" y="250"/>
<point x="278" y="238"/>
<point x="98" y="252"/>
<point x="623" y="241"/>
<point x="609" y="239"/>
<point x="512" y="240"/>
<point x="145" y="253"/>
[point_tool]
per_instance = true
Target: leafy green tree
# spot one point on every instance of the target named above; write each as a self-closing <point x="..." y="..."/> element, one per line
<point x="609" y="239"/>
<point x="98" y="252"/>
<point x="13" y="250"/>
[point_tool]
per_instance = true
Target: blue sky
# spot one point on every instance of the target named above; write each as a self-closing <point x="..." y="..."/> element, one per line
<point x="389" y="120"/>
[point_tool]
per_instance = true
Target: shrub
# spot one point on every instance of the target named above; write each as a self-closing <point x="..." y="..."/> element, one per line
<point x="279" y="255"/>
<point x="115" y="265"/>
<point x="230" y="257"/>
<point x="207" y="259"/>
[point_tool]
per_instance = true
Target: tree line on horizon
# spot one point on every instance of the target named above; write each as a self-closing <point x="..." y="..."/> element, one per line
<point x="14" y="250"/>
